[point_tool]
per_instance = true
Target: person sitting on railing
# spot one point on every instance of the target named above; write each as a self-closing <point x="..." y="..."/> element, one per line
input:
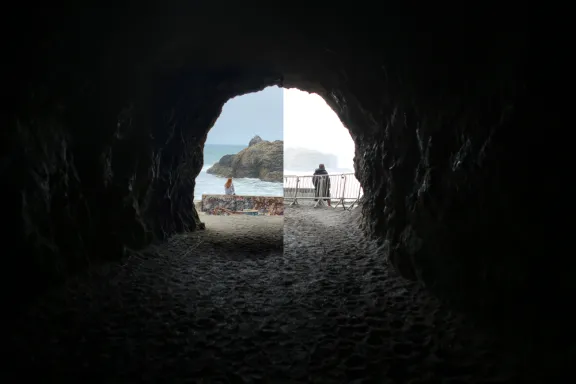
<point x="321" y="182"/>
<point x="229" y="187"/>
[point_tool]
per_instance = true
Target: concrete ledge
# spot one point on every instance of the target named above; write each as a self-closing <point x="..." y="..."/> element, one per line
<point x="242" y="205"/>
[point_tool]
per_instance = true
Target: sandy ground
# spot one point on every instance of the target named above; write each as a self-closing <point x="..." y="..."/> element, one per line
<point x="239" y="237"/>
<point x="236" y="304"/>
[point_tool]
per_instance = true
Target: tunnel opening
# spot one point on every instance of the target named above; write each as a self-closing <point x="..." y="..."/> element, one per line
<point x="309" y="123"/>
<point x="319" y="155"/>
<point x="238" y="192"/>
<point x="230" y="151"/>
<point x="440" y="131"/>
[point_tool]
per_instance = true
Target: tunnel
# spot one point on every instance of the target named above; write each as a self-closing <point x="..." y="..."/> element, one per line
<point x="108" y="112"/>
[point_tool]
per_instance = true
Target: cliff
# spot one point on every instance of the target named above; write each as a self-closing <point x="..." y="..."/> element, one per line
<point x="262" y="159"/>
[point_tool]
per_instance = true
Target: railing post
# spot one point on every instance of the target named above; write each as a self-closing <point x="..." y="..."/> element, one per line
<point x="295" y="201"/>
<point x="357" y="199"/>
<point x="339" y="190"/>
<point x="343" y="193"/>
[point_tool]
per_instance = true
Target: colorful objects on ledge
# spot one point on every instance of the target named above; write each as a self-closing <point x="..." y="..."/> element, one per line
<point x="243" y="205"/>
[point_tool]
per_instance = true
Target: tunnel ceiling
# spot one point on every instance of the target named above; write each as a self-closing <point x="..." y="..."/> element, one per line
<point x="112" y="109"/>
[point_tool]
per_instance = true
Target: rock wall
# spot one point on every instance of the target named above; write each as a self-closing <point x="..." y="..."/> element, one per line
<point x="108" y="115"/>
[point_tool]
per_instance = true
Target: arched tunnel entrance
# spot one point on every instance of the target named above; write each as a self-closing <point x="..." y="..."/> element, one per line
<point x="245" y="148"/>
<point x="105" y="132"/>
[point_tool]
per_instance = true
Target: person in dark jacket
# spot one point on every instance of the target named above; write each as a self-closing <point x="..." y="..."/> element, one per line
<point x="321" y="182"/>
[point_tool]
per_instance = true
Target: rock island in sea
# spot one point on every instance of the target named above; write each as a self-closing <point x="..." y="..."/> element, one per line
<point x="262" y="159"/>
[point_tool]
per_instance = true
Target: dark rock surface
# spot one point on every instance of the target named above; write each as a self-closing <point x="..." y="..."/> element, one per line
<point x="223" y="167"/>
<point x="262" y="159"/>
<point x="325" y="310"/>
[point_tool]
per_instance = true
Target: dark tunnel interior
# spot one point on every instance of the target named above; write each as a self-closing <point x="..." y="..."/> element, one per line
<point x="108" y="111"/>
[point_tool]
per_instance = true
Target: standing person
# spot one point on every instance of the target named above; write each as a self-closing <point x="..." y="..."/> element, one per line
<point x="321" y="182"/>
<point x="229" y="187"/>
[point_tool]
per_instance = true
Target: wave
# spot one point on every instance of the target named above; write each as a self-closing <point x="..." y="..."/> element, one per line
<point x="248" y="179"/>
<point x="256" y="180"/>
<point x="206" y="167"/>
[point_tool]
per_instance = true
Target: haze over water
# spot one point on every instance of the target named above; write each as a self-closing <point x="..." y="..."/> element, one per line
<point x="310" y="123"/>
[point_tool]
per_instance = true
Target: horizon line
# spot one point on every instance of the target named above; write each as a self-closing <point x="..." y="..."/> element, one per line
<point x="239" y="144"/>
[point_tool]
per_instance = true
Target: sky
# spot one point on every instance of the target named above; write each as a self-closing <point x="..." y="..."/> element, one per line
<point x="243" y="117"/>
<point x="310" y="123"/>
<point x="301" y="119"/>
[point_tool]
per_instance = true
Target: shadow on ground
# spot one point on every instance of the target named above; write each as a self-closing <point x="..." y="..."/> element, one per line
<point x="325" y="310"/>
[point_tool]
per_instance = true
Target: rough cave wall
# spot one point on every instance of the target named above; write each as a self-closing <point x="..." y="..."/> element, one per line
<point x="91" y="178"/>
<point x="447" y="151"/>
<point x="447" y="165"/>
<point x="103" y="144"/>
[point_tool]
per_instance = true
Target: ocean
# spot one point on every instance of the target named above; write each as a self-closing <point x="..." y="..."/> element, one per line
<point x="211" y="184"/>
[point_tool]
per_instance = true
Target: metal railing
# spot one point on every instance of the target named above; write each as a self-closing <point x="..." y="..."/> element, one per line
<point x="344" y="189"/>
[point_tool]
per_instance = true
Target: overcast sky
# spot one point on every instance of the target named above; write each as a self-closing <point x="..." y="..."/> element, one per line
<point x="310" y="123"/>
<point x="245" y="116"/>
<point x="299" y="118"/>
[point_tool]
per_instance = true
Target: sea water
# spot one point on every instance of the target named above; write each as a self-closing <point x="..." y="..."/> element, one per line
<point x="212" y="184"/>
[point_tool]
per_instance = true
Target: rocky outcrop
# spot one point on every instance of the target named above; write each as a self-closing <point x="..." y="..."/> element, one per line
<point x="223" y="167"/>
<point x="255" y="140"/>
<point x="301" y="159"/>
<point x="262" y="160"/>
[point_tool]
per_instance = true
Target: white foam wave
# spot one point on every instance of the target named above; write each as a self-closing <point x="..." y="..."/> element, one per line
<point x="206" y="167"/>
